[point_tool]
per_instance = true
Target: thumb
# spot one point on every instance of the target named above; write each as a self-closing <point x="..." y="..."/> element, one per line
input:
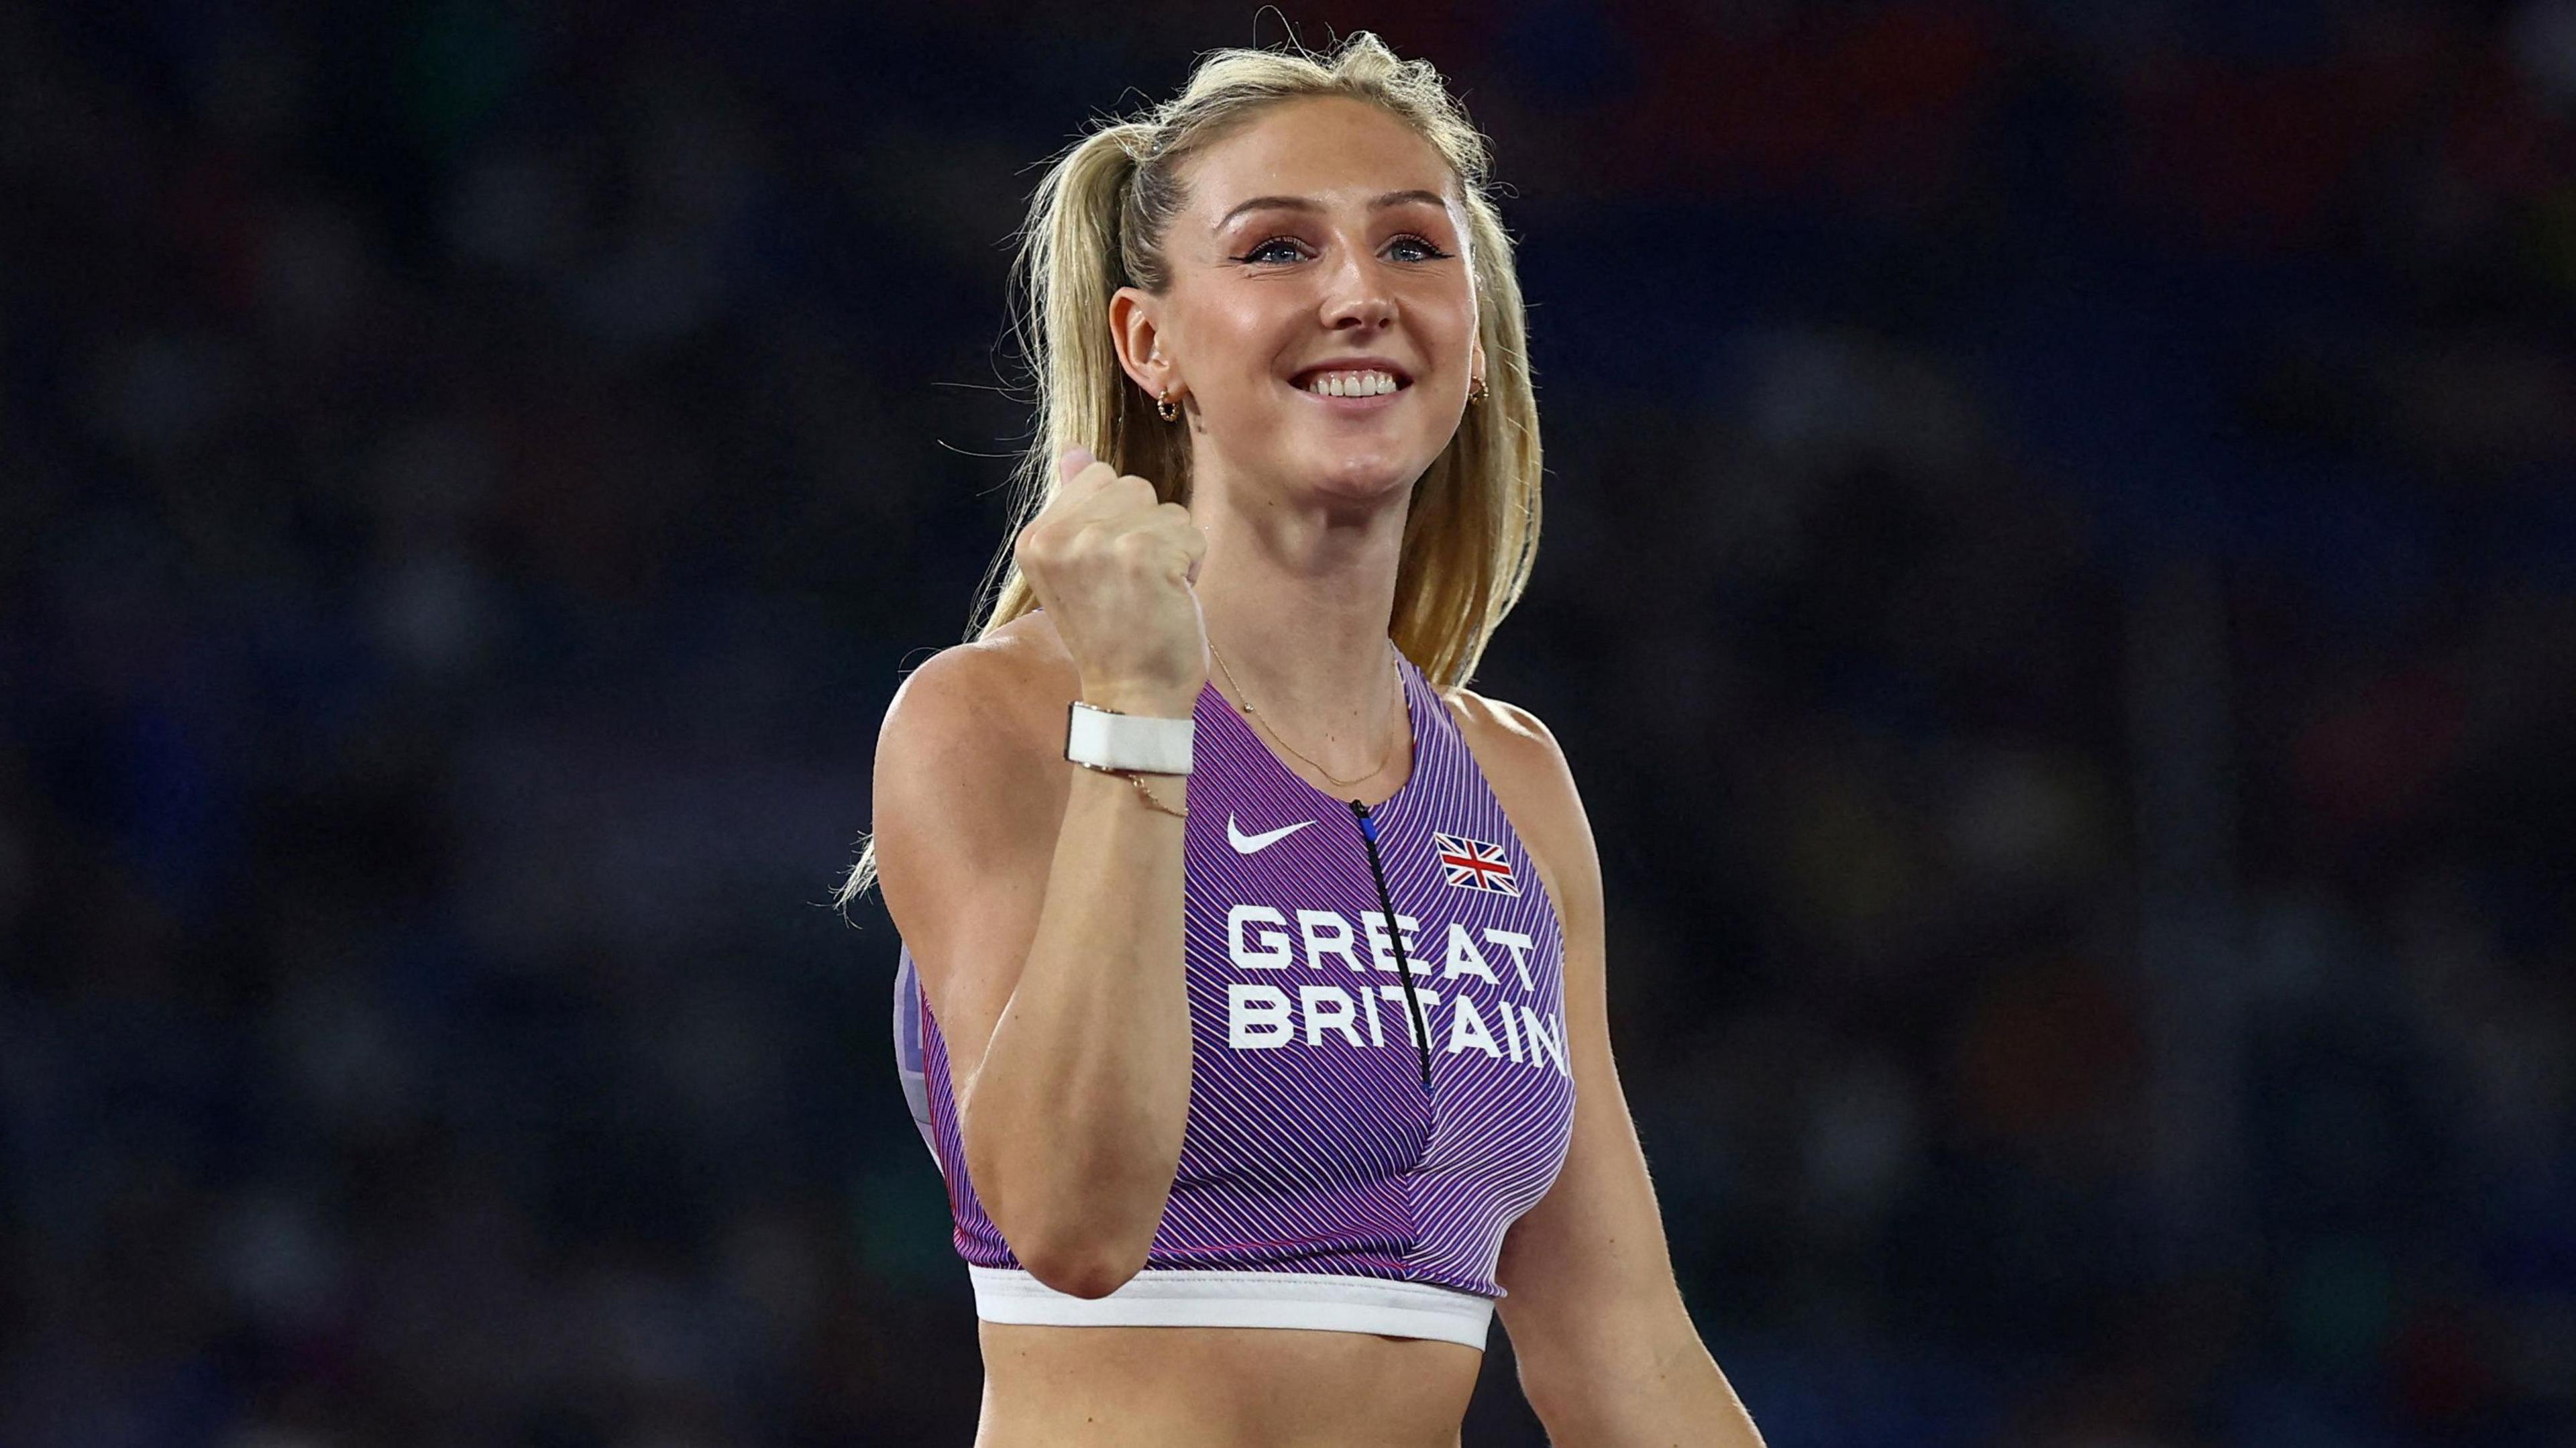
<point x="1070" y="465"/>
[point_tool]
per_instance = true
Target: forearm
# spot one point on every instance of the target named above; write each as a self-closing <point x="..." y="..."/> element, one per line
<point x="1074" y="1120"/>
<point x="1669" y="1394"/>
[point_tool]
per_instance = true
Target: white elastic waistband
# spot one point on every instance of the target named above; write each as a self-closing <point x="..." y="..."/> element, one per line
<point x="1194" y="1298"/>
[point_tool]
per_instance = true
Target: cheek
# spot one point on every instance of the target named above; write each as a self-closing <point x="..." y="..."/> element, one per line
<point x="1227" y="334"/>
<point x="1448" y="316"/>
<point x="1251" y="317"/>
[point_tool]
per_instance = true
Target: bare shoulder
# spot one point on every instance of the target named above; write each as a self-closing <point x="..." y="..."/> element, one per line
<point x="1517" y="727"/>
<point x="966" y="774"/>
<point x="980" y="694"/>
<point x="1531" y="780"/>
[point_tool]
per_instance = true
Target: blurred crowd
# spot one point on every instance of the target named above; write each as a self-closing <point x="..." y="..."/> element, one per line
<point x="2058" y="587"/>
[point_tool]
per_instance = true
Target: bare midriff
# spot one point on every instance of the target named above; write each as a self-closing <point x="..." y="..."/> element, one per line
<point x="1220" y="1387"/>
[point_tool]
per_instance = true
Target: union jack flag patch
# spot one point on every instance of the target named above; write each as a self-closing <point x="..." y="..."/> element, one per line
<point x="1475" y="865"/>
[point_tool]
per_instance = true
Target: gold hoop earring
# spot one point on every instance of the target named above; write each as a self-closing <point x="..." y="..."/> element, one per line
<point x="1168" y="410"/>
<point x="1476" y="393"/>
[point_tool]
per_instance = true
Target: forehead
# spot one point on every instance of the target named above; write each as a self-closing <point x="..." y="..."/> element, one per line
<point x="1335" y="150"/>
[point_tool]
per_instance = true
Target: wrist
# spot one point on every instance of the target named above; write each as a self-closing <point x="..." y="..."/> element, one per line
<point x="1117" y="739"/>
<point x="1166" y="794"/>
<point x="1142" y="700"/>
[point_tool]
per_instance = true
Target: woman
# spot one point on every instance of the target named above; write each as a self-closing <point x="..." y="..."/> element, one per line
<point x="1256" y="1016"/>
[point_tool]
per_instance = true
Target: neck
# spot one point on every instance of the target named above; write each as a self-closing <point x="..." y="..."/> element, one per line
<point x="1299" y="599"/>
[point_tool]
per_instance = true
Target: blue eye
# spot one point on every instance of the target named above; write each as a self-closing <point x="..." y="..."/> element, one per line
<point x="1428" y="251"/>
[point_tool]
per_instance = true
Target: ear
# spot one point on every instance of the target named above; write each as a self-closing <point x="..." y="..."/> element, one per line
<point x="1135" y="325"/>
<point x="1476" y="359"/>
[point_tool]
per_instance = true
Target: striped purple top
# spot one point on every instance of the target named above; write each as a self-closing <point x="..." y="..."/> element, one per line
<point x="1322" y="1183"/>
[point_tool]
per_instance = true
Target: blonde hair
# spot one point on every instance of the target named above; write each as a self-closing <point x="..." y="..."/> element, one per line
<point x="1096" y="223"/>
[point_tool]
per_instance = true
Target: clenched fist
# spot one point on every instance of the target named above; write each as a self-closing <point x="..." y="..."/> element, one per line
<point x="1113" y="568"/>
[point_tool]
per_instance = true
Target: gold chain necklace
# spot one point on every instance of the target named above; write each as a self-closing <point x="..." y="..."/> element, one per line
<point x="1255" y="715"/>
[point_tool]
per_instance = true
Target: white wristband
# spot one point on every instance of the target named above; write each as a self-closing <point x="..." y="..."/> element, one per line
<point x="1106" y="739"/>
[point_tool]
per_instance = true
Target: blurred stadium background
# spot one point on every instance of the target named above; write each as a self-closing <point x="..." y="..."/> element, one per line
<point x="2059" y="585"/>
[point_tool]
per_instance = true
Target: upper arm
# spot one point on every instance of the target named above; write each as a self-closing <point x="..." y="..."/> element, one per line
<point x="966" y="805"/>
<point x="1587" y="1272"/>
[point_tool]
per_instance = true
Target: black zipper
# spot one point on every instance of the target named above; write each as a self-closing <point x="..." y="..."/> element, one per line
<point x="1403" y="967"/>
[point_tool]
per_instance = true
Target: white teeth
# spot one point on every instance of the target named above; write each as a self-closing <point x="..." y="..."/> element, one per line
<point x="1352" y="384"/>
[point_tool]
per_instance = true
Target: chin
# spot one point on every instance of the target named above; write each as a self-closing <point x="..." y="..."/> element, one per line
<point x="1361" y="481"/>
<point x="1361" y="475"/>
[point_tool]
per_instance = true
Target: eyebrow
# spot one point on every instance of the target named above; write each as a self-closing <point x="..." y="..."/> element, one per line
<point x="1306" y="203"/>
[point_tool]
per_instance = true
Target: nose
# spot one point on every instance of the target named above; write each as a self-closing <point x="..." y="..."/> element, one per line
<point x="1355" y="295"/>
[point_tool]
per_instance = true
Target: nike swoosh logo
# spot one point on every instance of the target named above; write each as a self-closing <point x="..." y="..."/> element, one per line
<point x="1246" y="844"/>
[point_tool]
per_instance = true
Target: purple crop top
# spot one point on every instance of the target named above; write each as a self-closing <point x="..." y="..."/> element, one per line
<point x="1323" y="1183"/>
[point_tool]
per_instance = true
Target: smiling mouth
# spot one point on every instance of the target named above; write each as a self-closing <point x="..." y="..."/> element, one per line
<point x="1356" y="383"/>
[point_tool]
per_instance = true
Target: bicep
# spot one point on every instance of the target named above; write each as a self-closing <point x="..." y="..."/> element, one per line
<point x="964" y="837"/>
<point x="1587" y="1272"/>
<point x="1590" y="1262"/>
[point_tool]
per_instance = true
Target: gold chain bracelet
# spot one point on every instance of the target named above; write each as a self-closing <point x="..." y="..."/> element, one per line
<point x="1148" y="795"/>
<point x="1142" y="792"/>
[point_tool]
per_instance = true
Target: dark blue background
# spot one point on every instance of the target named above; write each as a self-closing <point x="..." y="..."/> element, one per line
<point x="2058" y="586"/>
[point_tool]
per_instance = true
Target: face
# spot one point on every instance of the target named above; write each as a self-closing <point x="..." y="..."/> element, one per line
<point x="1324" y="236"/>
